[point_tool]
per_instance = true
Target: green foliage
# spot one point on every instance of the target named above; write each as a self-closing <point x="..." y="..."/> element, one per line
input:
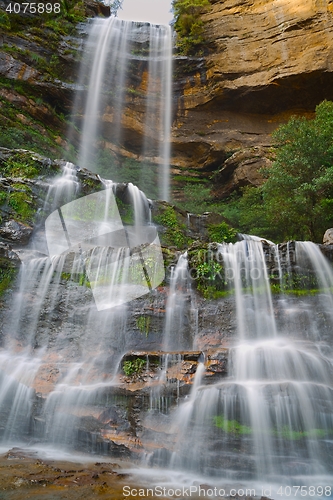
<point x="4" y="21"/>
<point x="298" y="193"/>
<point x="296" y="201"/>
<point x="18" y="129"/>
<point x="231" y="426"/>
<point x="7" y="276"/>
<point x="210" y="279"/>
<point x="143" y="175"/>
<point x="222" y="233"/>
<point x="188" y="24"/>
<point x="134" y="367"/>
<point x="206" y="271"/>
<point x="287" y="433"/>
<point x="175" y="233"/>
<point x="21" y="203"/>
<point x="20" y="166"/>
<point x="143" y="324"/>
<point x="196" y="198"/>
<point x="72" y="11"/>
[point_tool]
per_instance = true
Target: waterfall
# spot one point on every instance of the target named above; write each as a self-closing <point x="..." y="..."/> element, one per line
<point x="158" y="110"/>
<point x="271" y="419"/>
<point x="116" y="54"/>
<point x="95" y="265"/>
<point x="176" y="336"/>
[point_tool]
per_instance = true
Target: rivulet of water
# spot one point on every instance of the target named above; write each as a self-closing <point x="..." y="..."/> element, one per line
<point x="271" y="419"/>
<point x="113" y="46"/>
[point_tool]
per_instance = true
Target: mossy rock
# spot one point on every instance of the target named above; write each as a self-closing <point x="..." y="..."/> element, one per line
<point x="9" y="264"/>
<point x="23" y="164"/>
<point x="171" y="223"/>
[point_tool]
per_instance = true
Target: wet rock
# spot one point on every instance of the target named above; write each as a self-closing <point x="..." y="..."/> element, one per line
<point x="94" y="8"/>
<point x="15" y="232"/>
<point x="327" y="250"/>
<point x="14" y="69"/>
<point x="160" y="458"/>
<point x="328" y="237"/>
<point x="9" y="255"/>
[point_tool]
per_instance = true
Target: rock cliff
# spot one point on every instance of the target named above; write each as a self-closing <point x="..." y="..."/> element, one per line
<point x="263" y="60"/>
<point x="267" y="60"/>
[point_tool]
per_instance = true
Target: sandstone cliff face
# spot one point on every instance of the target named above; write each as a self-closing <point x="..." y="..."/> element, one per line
<point x="264" y="61"/>
<point x="268" y="59"/>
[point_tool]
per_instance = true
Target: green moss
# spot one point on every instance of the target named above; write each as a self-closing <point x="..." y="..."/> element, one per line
<point x="20" y="203"/>
<point x="3" y="197"/>
<point x="211" y="293"/>
<point x="126" y="212"/>
<point x="143" y="324"/>
<point x="231" y="426"/>
<point x="4" y="21"/>
<point x="188" y="179"/>
<point x="298" y="292"/>
<point x="7" y="276"/>
<point x="175" y="233"/>
<point x="80" y="278"/>
<point x="19" y="200"/>
<point x="20" y="166"/>
<point x="66" y="276"/>
<point x="287" y="432"/>
<point x="18" y="129"/>
<point x="197" y="198"/>
<point x="298" y="282"/>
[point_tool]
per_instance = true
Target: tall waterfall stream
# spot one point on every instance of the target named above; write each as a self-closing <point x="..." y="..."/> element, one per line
<point x="265" y="422"/>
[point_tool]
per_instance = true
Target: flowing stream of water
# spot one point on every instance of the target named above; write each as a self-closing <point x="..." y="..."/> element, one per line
<point x="113" y="49"/>
<point x="78" y="295"/>
<point x="271" y="419"/>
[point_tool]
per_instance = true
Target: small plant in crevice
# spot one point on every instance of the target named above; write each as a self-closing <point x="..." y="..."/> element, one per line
<point x="134" y="367"/>
<point x="143" y="324"/>
<point x="231" y="426"/>
<point x="175" y="231"/>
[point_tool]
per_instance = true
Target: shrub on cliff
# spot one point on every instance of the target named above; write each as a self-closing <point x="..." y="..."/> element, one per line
<point x="296" y="201"/>
<point x="188" y="24"/>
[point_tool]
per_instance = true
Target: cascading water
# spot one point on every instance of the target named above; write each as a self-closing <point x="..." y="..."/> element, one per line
<point x="112" y="50"/>
<point x="177" y="308"/>
<point x="272" y="418"/>
<point x="86" y="240"/>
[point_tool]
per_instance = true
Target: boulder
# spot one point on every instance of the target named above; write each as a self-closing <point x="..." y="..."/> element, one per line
<point x="243" y="168"/>
<point x="15" y="232"/>
<point x="328" y="237"/>
<point x="7" y="254"/>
